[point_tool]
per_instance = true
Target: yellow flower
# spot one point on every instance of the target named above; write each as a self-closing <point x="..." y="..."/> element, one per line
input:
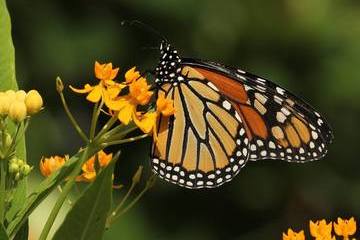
<point x="17" y="111"/>
<point x="131" y="75"/>
<point x="4" y="104"/>
<point x="165" y="106"/>
<point x="345" y="228"/>
<point x="126" y="106"/>
<point x="106" y="87"/>
<point x="146" y="122"/>
<point x="88" y="168"/>
<point x="321" y="230"/>
<point x="33" y="102"/>
<point x="105" y="72"/>
<point x="291" y="235"/>
<point x="139" y="91"/>
<point x="20" y="95"/>
<point x="51" y="164"/>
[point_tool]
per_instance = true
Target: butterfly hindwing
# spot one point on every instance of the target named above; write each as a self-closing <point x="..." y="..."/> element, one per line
<point x="203" y="144"/>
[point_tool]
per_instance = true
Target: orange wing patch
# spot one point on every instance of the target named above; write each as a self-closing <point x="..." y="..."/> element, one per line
<point x="227" y="86"/>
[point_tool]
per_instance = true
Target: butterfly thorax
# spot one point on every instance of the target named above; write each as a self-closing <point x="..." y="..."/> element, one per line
<point x="169" y="67"/>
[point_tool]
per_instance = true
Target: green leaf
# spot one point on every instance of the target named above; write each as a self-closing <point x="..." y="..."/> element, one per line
<point x="42" y="191"/>
<point x="8" y="81"/>
<point x="7" y="52"/>
<point x="3" y="234"/>
<point x="23" y="233"/>
<point x="87" y="218"/>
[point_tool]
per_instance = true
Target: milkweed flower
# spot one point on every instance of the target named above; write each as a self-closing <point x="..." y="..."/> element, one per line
<point x="105" y="73"/>
<point x="139" y="94"/>
<point x="33" y="102"/>
<point x="345" y="228"/>
<point x="52" y="164"/>
<point x="321" y="230"/>
<point x="88" y="168"/>
<point x="131" y="75"/>
<point x="165" y="106"/>
<point x="17" y="111"/>
<point x="291" y="235"/>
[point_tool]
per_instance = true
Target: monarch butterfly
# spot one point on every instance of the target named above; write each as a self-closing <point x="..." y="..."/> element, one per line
<point x="225" y="117"/>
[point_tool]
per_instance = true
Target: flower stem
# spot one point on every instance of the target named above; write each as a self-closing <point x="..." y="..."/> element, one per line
<point x="117" y="213"/>
<point x="72" y="119"/>
<point x="95" y="117"/>
<point x="135" y="180"/>
<point x="127" y="140"/>
<point x="119" y="132"/>
<point x="2" y="189"/>
<point x="106" y="127"/>
<point x="3" y="163"/>
<point x="66" y="190"/>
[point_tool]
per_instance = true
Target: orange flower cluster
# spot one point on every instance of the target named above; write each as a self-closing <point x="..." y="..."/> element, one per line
<point x="54" y="163"/>
<point x="321" y="230"/>
<point x="126" y="106"/>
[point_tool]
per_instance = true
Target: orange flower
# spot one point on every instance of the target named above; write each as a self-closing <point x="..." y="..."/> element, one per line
<point x="126" y="106"/>
<point x="106" y="87"/>
<point x="291" y="235"/>
<point x="88" y="168"/>
<point x="146" y="122"/>
<point x="105" y="72"/>
<point x="51" y="164"/>
<point x="131" y="75"/>
<point x="321" y="230"/>
<point x="165" y="106"/>
<point x="345" y="228"/>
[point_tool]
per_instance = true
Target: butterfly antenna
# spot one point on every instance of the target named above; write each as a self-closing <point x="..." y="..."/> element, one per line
<point x="144" y="27"/>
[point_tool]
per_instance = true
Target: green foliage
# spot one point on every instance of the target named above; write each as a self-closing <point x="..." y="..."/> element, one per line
<point x="3" y="234"/>
<point x="87" y="218"/>
<point x="41" y="192"/>
<point x="8" y="81"/>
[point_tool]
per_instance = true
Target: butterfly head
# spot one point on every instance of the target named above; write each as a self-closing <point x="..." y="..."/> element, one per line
<point x="168" y="69"/>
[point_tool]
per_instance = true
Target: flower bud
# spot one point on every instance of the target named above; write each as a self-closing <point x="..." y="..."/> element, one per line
<point x="20" y="95"/>
<point x="17" y="111"/>
<point x="11" y="94"/>
<point x="8" y="140"/>
<point x="33" y="102"/>
<point x="13" y="168"/>
<point x="59" y="85"/>
<point x="4" y="104"/>
<point x="26" y="169"/>
<point x="17" y="176"/>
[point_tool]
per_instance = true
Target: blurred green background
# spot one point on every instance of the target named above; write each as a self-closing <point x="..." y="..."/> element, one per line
<point x="310" y="47"/>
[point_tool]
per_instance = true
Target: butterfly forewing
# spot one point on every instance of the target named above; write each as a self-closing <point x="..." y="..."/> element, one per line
<point x="278" y="124"/>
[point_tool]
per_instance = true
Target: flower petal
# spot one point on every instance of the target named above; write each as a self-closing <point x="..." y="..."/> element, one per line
<point x="95" y="95"/>
<point x="146" y="122"/>
<point x="87" y="88"/>
<point x="126" y="113"/>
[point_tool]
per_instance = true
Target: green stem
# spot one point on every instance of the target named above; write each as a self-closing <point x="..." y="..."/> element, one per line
<point x="119" y="132"/>
<point x="95" y="117"/>
<point x="66" y="190"/>
<point x="2" y="189"/>
<point x="119" y="206"/>
<point x="13" y="141"/>
<point x="72" y="119"/>
<point x="127" y="140"/>
<point x="116" y="214"/>
<point x="106" y="127"/>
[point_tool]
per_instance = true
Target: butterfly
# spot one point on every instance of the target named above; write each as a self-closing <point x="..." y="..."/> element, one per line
<point x="225" y="117"/>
